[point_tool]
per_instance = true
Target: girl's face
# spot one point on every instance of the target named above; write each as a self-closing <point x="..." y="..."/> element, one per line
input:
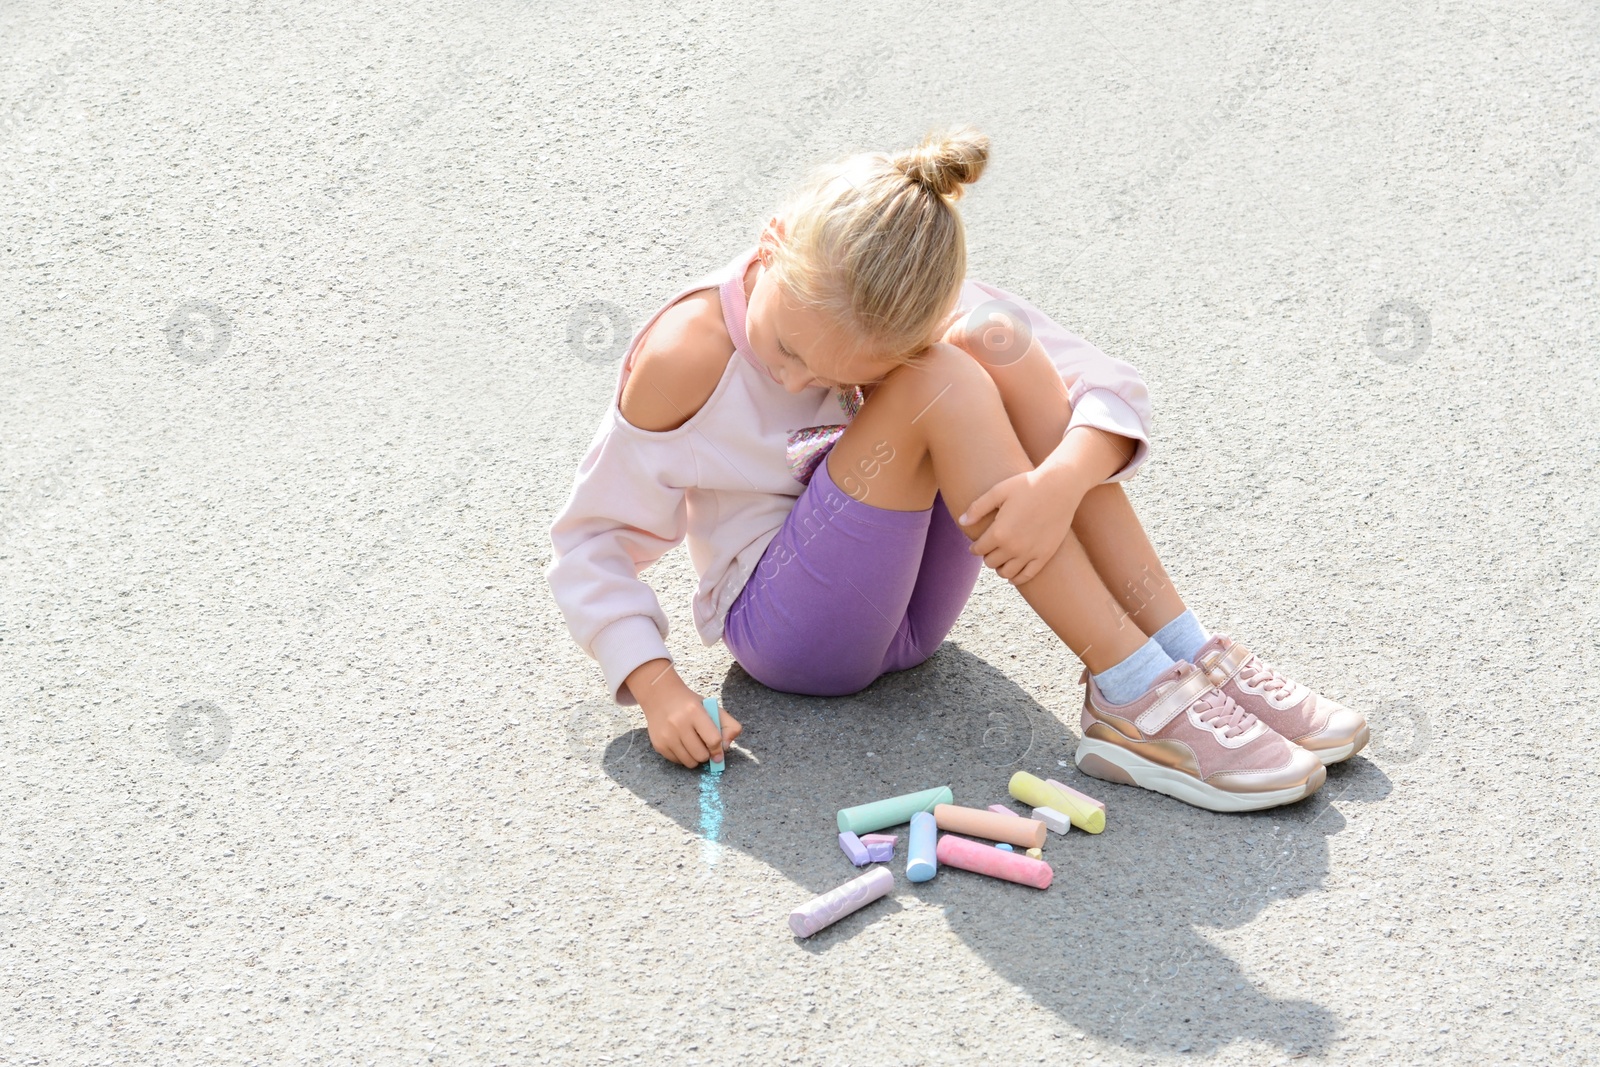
<point x="800" y="347"/>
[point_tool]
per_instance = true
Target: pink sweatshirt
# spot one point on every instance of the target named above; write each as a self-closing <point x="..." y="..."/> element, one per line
<point x="729" y="476"/>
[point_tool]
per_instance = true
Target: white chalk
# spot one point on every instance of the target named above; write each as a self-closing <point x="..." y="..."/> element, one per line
<point x="1053" y="819"/>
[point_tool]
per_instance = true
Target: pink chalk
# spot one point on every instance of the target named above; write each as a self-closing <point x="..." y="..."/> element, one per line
<point x="882" y="839"/>
<point x="832" y="906"/>
<point x="1001" y="809"/>
<point x="969" y="855"/>
<point x="1071" y="792"/>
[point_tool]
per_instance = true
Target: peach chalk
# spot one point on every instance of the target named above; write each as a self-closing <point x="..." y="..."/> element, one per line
<point x="969" y="855"/>
<point x="1012" y="829"/>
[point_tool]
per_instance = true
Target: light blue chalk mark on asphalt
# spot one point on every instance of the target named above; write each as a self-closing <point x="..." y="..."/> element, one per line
<point x="710" y="819"/>
<point x="711" y="798"/>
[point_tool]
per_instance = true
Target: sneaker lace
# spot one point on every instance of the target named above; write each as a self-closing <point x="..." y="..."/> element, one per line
<point x="1221" y="712"/>
<point x="1267" y="678"/>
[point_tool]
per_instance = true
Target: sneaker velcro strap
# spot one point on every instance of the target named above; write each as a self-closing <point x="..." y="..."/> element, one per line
<point x="1223" y="666"/>
<point x="1181" y="695"/>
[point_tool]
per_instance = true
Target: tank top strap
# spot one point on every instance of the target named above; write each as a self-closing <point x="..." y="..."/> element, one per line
<point x="733" y="306"/>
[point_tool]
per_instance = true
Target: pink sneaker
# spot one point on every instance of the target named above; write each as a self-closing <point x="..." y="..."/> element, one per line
<point x="1186" y="738"/>
<point x="1329" y="730"/>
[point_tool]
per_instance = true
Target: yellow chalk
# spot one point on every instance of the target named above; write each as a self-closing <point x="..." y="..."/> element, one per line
<point x="1036" y="853"/>
<point x="1040" y="794"/>
<point x="1071" y="792"/>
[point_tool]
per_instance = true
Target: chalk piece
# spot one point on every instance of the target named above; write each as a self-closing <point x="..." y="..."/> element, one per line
<point x="880" y="851"/>
<point x="854" y="849"/>
<point x="892" y="812"/>
<point x="1036" y="853"/>
<point x="834" y="905"/>
<point x="1037" y="793"/>
<point x="1084" y="798"/>
<point x="1001" y="809"/>
<point x="922" y="856"/>
<point x="882" y="839"/>
<point x="710" y="704"/>
<point x="979" y="823"/>
<point x="1053" y="819"/>
<point x="969" y="855"/>
<point x="1004" y="846"/>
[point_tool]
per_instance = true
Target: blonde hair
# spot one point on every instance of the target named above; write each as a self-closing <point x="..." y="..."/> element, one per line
<point x="875" y="242"/>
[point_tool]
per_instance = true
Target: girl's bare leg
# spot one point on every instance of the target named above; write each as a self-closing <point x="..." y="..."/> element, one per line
<point x="1106" y="526"/>
<point x="940" y="427"/>
<point x="1122" y="555"/>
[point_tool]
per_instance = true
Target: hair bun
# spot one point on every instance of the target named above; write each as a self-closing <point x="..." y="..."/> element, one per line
<point x="944" y="162"/>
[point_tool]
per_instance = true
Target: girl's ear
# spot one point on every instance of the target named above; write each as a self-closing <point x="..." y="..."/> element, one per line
<point x="772" y="234"/>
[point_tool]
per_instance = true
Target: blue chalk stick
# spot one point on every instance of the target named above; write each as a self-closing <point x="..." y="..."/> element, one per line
<point x="710" y="704"/>
<point x="922" y="862"/>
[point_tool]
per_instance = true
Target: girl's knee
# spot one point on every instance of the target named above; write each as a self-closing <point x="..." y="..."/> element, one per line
<point x="940" y="368"/>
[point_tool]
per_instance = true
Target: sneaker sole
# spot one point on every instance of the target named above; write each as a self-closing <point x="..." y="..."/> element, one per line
<point x="1330" y="756"/>
<point x="1104" y="760"/>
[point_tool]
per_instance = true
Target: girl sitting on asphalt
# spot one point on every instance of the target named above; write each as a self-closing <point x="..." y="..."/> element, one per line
<point x="846" y="428"/>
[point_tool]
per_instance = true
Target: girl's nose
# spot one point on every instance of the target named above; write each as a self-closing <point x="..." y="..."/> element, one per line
<point x="796" y="383"/>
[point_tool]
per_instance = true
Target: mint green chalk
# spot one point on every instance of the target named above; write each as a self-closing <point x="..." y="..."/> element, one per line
<point x="865" y="818"/>
<point x="710" y="704"/>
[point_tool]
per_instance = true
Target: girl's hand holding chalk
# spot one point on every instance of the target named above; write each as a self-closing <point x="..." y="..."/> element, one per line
<point x="682" y="730"/>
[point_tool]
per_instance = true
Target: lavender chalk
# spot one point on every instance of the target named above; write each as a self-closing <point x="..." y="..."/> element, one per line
<point x="834" y="905"/>
<point x="854" y="849"/>
<point x="880" y="851"/>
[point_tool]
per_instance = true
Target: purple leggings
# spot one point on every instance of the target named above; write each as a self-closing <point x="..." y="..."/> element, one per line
<point x="847" y="592"/>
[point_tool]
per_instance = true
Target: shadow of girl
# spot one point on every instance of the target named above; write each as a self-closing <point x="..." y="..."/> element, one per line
<point x="1112" y="946"/>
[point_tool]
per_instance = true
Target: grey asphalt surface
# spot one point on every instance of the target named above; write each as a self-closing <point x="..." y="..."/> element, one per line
<point x="308" y="312"/>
